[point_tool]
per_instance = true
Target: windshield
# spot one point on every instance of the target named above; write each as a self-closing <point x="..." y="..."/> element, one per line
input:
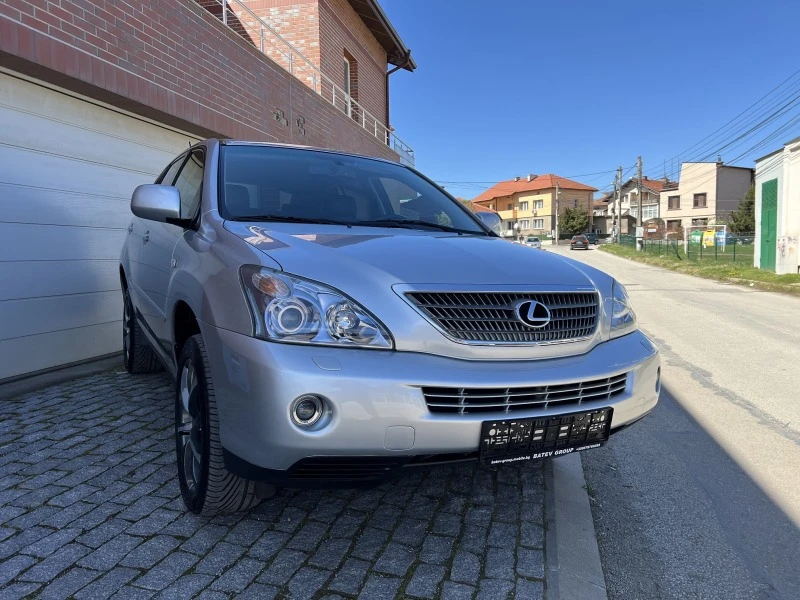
<point x="533" y="239"/>
<point x="263" y="183"/>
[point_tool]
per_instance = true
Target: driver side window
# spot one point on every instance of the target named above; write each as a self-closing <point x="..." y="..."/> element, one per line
<point x="190" y="183"/>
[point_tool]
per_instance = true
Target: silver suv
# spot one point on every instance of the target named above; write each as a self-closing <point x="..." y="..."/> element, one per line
<point x="335" y="320"/>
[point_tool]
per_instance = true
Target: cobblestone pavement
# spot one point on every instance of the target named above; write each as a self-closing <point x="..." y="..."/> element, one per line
<point x="90" y="508"/>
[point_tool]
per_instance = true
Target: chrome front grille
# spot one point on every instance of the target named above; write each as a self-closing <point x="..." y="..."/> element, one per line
<point x="476" y="400"/>
<point x="488" y="317"/>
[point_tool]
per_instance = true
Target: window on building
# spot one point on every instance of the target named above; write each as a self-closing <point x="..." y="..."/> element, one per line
<point x="699" y="201"/>
<point x="538" y="204"/>
<point x="634" y="211"/>
<point x="700" y="222"/>
<point x="510" y="226"/>
<point x="575" y="203"/>
<point x="538" y="223"/>
<point x="673" y="202"/>
<point x="674" y="224"/>
<point x="523" y="205"/>
<point x="350" y="82"/>
<point x="650" y="212"/>
<point x="510" y="206"/>
<point x="524" y="224"/>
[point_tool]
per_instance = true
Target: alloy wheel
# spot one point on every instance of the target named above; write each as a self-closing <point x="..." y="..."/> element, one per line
<point x="190" y="427"/>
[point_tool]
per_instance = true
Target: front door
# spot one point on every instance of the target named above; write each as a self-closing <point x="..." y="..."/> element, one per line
<point x="769" y="223"/>
<point x="158" y="246"/>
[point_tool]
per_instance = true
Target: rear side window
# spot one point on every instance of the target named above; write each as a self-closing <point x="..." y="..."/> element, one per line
<point x="190" y="183"/>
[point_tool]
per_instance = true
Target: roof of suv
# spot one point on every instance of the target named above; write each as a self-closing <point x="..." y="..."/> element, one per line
<point x="300" y="147"/>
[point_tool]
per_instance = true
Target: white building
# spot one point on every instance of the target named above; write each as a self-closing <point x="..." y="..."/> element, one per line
<point x="777" y="210"/>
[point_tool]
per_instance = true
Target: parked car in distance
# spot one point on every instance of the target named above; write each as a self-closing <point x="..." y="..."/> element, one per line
<point x="579" y="242"/>
<point x="592" y="237"/>
<point x="533" y="242"/>
<point x="332" y="320"/>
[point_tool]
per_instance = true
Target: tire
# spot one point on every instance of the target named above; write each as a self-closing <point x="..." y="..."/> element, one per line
<point x="207" y="487"/>
<point x="137" y="354"/>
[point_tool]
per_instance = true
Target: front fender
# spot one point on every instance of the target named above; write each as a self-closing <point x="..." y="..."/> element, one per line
<point x="206" y="277"/>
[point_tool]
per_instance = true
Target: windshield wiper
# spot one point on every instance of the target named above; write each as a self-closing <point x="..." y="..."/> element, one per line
<point x="288" y="219"/>
<point x="412" y="224"/>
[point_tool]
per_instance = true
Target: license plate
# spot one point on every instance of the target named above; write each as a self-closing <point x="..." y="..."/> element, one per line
<point x="515" y="440"/>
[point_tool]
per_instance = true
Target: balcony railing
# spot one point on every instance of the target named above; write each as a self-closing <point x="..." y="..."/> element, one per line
<point x="245" y="22"/>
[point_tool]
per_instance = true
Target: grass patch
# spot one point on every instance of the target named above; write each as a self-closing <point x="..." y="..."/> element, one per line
<point x="739" y="273"/>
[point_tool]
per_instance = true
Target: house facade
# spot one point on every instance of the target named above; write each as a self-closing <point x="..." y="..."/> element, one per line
<point x="706" y="195"/>
<point x="97" y="97"/>
<point x="629" y="200"/>
<point x="777" y="210"/>
<point x="528" y="204"/>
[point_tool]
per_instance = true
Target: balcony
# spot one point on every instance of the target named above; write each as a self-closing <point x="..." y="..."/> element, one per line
<point x="241" y="19"/>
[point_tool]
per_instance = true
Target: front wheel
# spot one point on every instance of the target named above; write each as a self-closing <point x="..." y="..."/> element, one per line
<point x="207" y="487"/>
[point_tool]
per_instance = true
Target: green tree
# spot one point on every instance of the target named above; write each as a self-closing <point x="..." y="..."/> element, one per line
<point x="574" y="220"/>
<point x="743" y="219"/>
<point x="467" y="203"/>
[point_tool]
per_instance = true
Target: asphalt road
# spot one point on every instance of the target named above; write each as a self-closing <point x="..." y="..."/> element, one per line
<point x="702" y="498"/>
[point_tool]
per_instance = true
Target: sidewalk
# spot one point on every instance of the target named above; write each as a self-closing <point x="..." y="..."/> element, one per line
<point x="90" y="507"/>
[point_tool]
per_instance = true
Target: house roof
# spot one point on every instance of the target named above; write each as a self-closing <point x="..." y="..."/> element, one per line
<point x="379" y="25"/>
<point x="475" y="207"/>
<point x="655" y="185"/>
<point x="537" y="183"/>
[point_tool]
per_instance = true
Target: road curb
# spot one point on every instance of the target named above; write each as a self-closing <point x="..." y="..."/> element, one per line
<point x="573" y="562"/>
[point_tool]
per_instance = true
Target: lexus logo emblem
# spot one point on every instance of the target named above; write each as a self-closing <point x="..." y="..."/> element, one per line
<point x="532" y="313"/>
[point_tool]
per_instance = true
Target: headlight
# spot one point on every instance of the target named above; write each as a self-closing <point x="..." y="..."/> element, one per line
<point x="623" y="319"/>
<point x="286" y="308"/>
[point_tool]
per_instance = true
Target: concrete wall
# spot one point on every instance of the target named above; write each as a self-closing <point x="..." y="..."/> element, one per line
<point x="788" y="256"/>
<point x="785" y="167"/>
<point x="732" y="185"/>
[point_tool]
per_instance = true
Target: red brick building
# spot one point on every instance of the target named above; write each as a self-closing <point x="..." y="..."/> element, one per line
<point x="96" y="96"/>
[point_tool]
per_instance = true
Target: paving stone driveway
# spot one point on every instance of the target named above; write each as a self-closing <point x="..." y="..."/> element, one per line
<point x="90" y="508"/>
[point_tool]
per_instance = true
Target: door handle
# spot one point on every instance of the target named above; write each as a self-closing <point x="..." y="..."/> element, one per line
<point x="146" y="237"/>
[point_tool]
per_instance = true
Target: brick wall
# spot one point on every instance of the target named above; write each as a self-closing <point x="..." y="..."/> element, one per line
<point x="325" y="31"/>
<point x="342" y="29"/>
<point x="296" y="21"/>
<point x="172" y="61"/>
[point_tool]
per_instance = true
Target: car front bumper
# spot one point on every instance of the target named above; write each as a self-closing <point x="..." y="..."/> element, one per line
<point x="377" y="407"/>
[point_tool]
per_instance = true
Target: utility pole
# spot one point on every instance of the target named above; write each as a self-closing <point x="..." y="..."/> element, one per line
<point x="558" y="191"/>
<point x="618" y="205"/>
<point x="639" y="192"/>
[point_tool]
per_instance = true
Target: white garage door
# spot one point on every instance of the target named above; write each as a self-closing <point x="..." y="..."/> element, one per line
<point x="67" y="170"/>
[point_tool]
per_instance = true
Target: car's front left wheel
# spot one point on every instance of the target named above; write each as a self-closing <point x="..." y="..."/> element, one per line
<point x="207" y="487"/>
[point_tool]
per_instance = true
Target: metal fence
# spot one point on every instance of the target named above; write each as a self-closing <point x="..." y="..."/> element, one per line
<point x="239" y="17"/>
<point x="733" y="248"/>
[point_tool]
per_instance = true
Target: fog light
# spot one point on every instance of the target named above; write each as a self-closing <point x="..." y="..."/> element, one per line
<point x="307" y="410"/>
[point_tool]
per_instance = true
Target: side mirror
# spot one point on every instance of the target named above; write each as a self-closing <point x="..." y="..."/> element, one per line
<point x="156" y="203"/>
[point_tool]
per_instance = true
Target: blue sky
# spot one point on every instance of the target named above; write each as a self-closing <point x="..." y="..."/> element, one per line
<point x="581" y="86"/>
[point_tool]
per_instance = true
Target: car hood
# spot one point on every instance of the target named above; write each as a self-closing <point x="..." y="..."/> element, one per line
<point x="342" y="256"/>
